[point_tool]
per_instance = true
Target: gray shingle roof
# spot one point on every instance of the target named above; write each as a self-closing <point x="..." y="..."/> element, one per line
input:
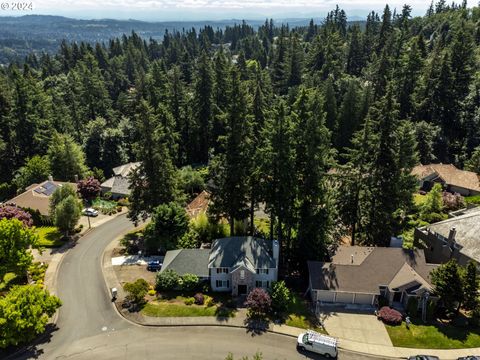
<point x="379" y="267"/>
<point x="228" y="252"/>
<point x="467" y="228"/>
<point x="187" y="261"/>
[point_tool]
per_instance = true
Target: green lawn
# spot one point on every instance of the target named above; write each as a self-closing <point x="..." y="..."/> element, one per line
<point x="49" y="236"/>
<point x="167" y="309"/>
<point x="300" y="316"/>
<point x="434" y="336"/>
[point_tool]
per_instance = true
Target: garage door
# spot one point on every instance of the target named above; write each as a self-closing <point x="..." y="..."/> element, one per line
<point x="325" y="296"/>
<point x="363" y="299"/>
<point x="345" y="298"/>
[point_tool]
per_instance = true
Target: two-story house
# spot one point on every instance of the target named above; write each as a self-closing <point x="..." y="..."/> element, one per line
<point x="234" y="264"/>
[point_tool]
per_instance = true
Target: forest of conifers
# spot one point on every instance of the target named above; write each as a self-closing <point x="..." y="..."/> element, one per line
<point x="323" y="124"/>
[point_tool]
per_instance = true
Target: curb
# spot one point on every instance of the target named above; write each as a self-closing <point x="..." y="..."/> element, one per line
<point x="107" y="288"/>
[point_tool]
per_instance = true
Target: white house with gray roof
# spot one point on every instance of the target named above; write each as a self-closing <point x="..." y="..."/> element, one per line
<point x="233" y="264"/>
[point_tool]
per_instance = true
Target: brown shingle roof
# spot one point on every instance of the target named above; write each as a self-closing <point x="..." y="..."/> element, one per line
<point x="376" y="266"/>
<point x="449" y="174"/>
<point x="199" y="205"/>
<point x="37" y="196"/>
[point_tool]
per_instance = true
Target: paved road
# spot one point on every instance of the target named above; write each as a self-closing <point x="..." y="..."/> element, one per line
<point x="90" y="328"/>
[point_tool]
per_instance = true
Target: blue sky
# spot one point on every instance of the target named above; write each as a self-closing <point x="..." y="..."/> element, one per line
<point x="162" y="10"/>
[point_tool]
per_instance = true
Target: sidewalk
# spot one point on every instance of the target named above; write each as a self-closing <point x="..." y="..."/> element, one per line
<point x="382" y="351"/>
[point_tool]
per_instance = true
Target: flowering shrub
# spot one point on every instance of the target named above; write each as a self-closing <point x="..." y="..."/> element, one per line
<point x="390" y="316"/>
<point x="452" y="201"/>
<point x="13" y="212"/>
<point x="199" y="299"/>
<point x="189" y="301"/>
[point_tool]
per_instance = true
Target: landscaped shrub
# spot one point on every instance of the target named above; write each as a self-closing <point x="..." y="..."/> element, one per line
<point x="37" y="271"/>
<point x="258" y="302"/>
<point x="390" y="316"/>
<point x="431" y="308"/>
<point x="199" y="299"/>
<point x="13" y="212"/>
<point x="189" y="301"/>
<point x="136" y="291"/>
<point x="412" y="306"/>
<point x="167" y="280"/>
<point x="151" y="292"/>
<point x="209" y="302"/>
<point x="280" y="295"/>
<point x="123" y="202"/>
<point x="189" y="282"/>
<point x="453" y="202"/>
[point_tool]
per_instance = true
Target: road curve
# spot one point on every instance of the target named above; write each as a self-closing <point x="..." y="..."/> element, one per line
<point x="90" y="328"/>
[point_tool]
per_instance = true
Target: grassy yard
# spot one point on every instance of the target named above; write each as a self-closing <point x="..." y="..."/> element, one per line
<point x="173" y="305"/>
<point x="434" y="336"/>
<point x="49" y="236"/>
<point x="300" y="316"/>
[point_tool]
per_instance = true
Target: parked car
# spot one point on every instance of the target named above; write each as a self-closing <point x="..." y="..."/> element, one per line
<point x="90" y="212"/>
<point x="470" y="357"/>
<point x="154" y="265"/>
<point x="318" y="343"/>
<point x="423" y="357"/>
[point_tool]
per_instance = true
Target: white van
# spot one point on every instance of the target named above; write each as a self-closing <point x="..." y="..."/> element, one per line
<point x="318" y="343"/>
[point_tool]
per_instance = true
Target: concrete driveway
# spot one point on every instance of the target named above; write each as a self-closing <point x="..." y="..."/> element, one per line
<point x="364" y="328"/>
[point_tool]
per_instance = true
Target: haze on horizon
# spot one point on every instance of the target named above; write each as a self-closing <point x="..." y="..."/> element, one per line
<point x="188" y="10"/>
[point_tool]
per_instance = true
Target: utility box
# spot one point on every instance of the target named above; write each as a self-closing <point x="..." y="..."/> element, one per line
<point x="114" y="293"/>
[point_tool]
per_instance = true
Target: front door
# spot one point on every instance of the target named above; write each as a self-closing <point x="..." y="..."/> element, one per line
<point x="242" y="289"/>
<point x="397" y="297"/>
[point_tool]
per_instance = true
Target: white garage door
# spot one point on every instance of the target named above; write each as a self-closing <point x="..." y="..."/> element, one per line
<point x="325" y="296"/>
<point x="344" y="298"/>
<point x="363" y="299"/>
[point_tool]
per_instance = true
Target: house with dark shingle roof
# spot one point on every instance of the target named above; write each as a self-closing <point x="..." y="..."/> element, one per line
<point x="119" y="184"/>
<point x="359" y="275"/>
<point x="455" y="238"/>
<point x="233" y="264"/>
<point x="454" y="180"/>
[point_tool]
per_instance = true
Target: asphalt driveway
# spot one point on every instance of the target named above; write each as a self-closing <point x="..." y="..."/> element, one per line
<point x="360" y="327"/>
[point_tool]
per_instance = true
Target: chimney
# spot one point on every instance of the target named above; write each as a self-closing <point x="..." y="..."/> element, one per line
<point x="451" y="235"/>
<point x="276" y="250"/>
<point x="351" y="259"/>
<point x="50" y="178"/>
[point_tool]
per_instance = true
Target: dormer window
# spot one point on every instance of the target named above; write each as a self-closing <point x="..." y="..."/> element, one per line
<point x="222" y="270"/>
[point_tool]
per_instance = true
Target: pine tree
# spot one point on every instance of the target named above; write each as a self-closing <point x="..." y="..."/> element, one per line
<point x="349" y="115"/>
<point x="355" y="57"/>
<point x="203" y="109"/>
<point x="278" y="157"/>
<point x="230" y="169"/>
<point x="314" y="203"/>
<point x="296" y="62"/>
<point x="471" y="287"/>
<point x="330" y="107"/>
<point x="154" y="181"/>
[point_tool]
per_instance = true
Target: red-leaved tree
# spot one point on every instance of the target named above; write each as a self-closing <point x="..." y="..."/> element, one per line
<point x="89" y="188"/>
<point x="14" y="212"/>
<point x="390" y="316"/>
<point x="258" y="302"/>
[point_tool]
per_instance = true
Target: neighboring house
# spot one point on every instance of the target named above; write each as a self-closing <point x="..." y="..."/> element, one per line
<point x="199" y="205"/>
<point x="454" y="180"/>
<point x="455" y="238"/>
<point x="37" y="196"/>
<point x="119" y="184"/>
<point x="188" y="261"/>
<point x="359" y="275"/>
<point x="234" y="264"/>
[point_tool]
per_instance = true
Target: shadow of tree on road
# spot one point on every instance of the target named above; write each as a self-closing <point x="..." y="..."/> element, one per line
<point x="32" y="350"/>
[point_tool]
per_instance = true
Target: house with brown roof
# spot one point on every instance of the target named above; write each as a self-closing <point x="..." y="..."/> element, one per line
<point x="359" y="275"/>
<point x="199" y="205"/>
<point x="119" y="184"/>
<point x="454" y="180"/>
<point x="37" y="196"/>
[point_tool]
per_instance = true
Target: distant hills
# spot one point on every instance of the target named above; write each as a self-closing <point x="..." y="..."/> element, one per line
<point x="21" y="35"/>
